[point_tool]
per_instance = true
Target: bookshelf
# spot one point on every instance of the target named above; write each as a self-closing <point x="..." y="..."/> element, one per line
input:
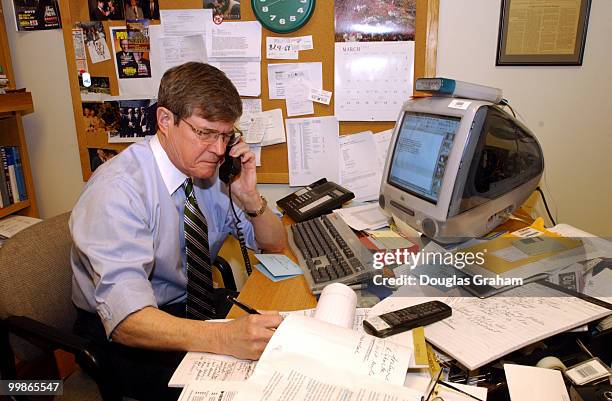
<point x="12" y="107"/>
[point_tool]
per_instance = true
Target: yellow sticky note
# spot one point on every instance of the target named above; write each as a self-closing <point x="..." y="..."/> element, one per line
<point x="420" y="347"/>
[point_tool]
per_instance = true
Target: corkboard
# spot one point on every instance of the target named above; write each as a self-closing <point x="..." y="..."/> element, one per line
<point x="274" y="167"/>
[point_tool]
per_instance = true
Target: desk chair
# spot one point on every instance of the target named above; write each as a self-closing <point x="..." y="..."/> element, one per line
<point x="36" y="305"/>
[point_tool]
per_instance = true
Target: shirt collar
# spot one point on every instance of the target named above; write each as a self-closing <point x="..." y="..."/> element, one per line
<point x="173" y="177"/>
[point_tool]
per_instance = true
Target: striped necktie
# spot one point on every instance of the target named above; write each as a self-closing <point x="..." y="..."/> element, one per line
<point x="200" y="301"/>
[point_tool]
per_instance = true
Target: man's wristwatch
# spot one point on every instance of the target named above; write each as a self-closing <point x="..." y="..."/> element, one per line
<point x="262" y="209"/>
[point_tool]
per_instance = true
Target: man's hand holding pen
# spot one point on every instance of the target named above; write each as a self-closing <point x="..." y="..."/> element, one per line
<point x="247" y="336"/>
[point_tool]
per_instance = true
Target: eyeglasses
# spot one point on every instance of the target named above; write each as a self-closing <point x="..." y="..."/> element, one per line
<point x="229" y="139"/>
<point x="431" y="389"/>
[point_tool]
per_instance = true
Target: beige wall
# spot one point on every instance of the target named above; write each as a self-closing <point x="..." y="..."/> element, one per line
<point x="564" y="106"/>
<point x="39" y="62"/>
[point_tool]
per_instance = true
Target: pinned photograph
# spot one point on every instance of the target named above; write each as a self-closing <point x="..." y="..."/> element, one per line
<point x="150" y="9"/>
<point x="135" y="120"/>
<point x="226" y="9"/>
<point x="374" y="20"/>
<point x="138" y="35"/>
<point x="99" y="118"/>
<point x="95" y="40"/>
<point x="141" y="9"/>
<point x="37" y="15"/>
<point x="98" y="85"/>
<point x="129" y="64"/>
<point x="104" y="10"/>
<point x="99" y="156"/>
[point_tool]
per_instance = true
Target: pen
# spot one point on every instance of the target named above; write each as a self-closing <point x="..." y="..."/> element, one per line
<point x="242" y="306"/>
<point x="458" y="390"/>
<point x="352" y="286"/>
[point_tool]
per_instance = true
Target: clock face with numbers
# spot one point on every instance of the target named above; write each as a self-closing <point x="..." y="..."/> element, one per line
<point x="283" y="16"/>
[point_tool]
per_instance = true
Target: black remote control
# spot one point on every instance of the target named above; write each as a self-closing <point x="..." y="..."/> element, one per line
<point x="406" y="319"/>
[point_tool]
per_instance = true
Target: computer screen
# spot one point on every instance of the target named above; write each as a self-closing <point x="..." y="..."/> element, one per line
<point x="424" y="142"/>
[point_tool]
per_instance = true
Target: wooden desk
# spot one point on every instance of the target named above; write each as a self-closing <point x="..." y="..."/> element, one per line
<point x="261" y="293"/>
<point x="293" y="294"/>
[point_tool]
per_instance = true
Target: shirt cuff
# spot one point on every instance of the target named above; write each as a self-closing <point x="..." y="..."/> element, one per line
<point x="123" y="299"/>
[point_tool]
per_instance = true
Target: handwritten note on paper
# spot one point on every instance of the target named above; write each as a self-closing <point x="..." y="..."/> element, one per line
<point x="274" y="131"/>
<point x="482" y="330"/>
<point x="214" y="391"/>
<point x="359" y="353"/>
<point x="281" y="48"/>
<point x="357" y="324"/>
<point x="381" y="357"/>
<point x="201" y="366"/>
<point x="256" y="129"/>
<point x="264" y="128"/>
<point x="249" y="106"/>
<point x="297" y="101"/>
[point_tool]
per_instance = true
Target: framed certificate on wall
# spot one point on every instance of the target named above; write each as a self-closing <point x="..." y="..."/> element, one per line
<point x="536" y="32"/>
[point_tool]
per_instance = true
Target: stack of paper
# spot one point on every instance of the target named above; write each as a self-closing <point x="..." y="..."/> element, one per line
<point x="299" y="340"/>
<point x="277" y="267"/>
<point x="483" y="330"/>
<point x="529" y="253"/>
<point x="11" y="225"/>
<point x="191" y="35"/>
<point x="365" y="217"/>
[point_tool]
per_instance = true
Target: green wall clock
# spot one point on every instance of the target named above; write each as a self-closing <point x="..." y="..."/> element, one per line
<point x="283" y="16"/>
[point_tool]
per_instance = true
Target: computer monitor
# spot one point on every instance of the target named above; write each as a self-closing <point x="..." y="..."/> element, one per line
<point x="457" y="168"/>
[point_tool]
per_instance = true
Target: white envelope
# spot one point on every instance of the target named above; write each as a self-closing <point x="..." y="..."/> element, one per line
<point x="528" y="383"/>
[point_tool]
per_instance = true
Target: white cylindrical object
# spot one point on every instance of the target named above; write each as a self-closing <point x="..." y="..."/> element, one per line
<point x="551" y="362"/>
<point x="337" y="305"/>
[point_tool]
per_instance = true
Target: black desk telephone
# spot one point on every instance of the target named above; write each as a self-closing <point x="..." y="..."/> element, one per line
<point x="319" y="198"/>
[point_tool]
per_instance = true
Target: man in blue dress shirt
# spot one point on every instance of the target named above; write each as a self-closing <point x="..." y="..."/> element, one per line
<point x="128" y="257"/>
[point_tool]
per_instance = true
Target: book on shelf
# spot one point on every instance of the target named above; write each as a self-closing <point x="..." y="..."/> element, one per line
<point x="12" y="180"/>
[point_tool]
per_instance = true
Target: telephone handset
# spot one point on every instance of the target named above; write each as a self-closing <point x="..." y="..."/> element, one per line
<point x="229" y="169"/>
